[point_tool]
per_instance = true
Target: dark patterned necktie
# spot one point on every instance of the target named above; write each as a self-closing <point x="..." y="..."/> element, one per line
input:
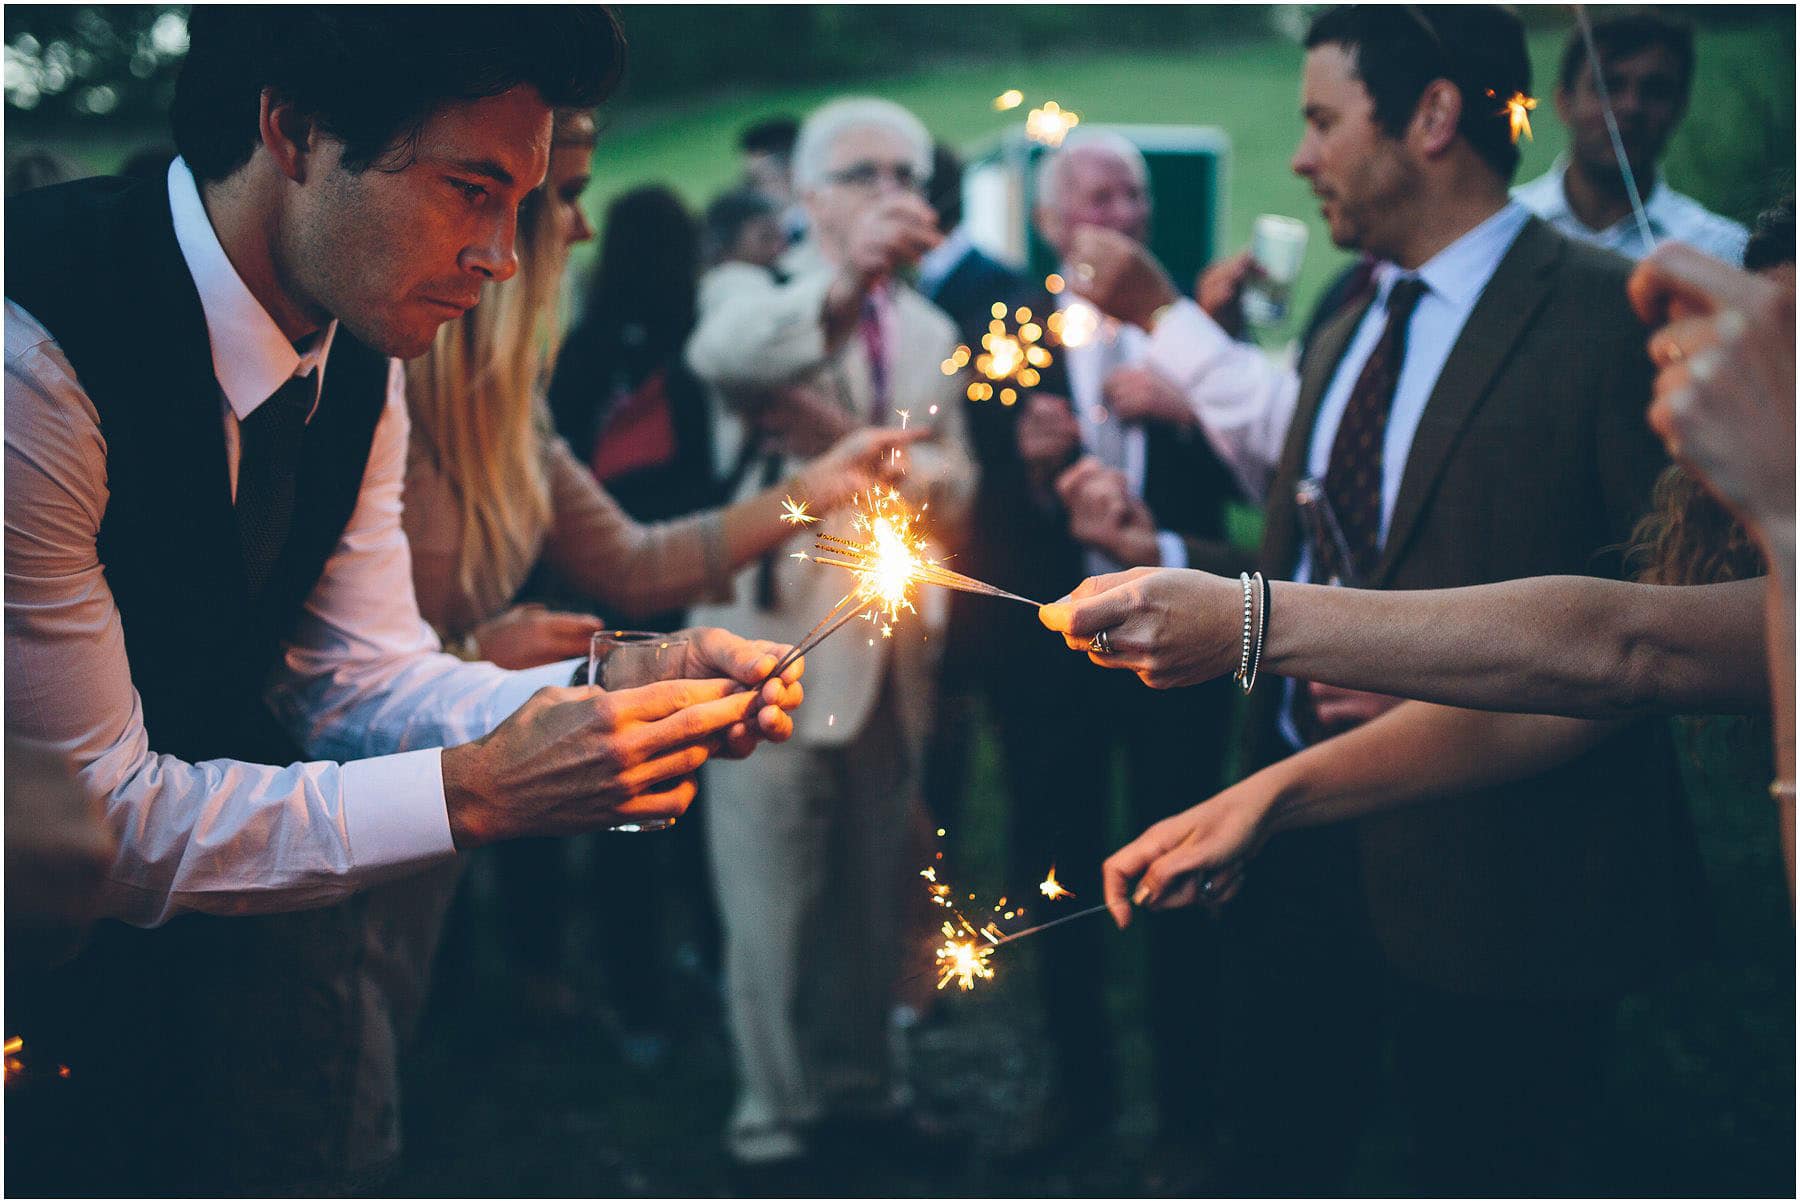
<point x="1353" y="473"/>
<point x="875" y="346"/>
<point x="268" y="462"/>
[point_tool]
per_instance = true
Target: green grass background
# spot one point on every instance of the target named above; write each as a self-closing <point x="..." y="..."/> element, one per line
<point x="1735" y="152"/>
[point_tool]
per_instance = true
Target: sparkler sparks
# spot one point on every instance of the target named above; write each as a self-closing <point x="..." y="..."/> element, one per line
<point x="1012" y="98"/>
<point x="1517" y="109"/>
<point x="962" y="961"/>
<point x="1012" y="353"/>
<point x="1050" y="124"/>
<point x="794" y="513"/>
<point x="1052" y="888"/>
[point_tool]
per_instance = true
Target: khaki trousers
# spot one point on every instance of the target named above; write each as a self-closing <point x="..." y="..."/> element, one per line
<point x="809" y="851"/>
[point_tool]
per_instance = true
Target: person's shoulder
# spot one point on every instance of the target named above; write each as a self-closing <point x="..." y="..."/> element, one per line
<point x="1579" y="264"/>
<point x="24" y="334"/>
<point x="1543" y="195"/>
<point x="925" y="315"/>
<point x="1691" y="222"/>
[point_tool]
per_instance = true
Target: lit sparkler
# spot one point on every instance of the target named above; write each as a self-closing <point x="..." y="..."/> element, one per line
<point x="888" y="559"/>
<point x="1517" y="109"/>
<point x="1013" y="354"/>
<point x="1051" y="123"/>
<point x="962" y="961"/>
<point x="1075" y="325"/>
<point x="794" y="513"/>
<point x="1054" y="889"/>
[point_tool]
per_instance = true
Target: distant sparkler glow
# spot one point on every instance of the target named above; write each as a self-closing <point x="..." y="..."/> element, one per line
<point x="1050" y="124"/>
<point x="1517" y="109"/>
<point x="1012" y="355"/>
<point x="1052" y="888"/>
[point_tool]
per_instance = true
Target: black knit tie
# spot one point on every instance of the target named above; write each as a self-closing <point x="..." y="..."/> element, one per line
<point x="269" y="446"/>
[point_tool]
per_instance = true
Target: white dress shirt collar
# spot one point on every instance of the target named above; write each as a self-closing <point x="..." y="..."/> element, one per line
<point x="1671" y="215"/>
<point x="1458" y="273"/>
<point x="937" y="264"/>
<point x="251" y="356"/>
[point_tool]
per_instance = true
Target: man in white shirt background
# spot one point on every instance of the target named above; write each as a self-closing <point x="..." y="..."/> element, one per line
<point x="209" y="602"/>
<point x="1088" y="487"/>
<point x="1647" y="61"/>
<point x="813" y="853"/>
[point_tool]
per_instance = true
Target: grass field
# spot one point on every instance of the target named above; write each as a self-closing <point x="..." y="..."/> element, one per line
<point x="1734" y="153"/>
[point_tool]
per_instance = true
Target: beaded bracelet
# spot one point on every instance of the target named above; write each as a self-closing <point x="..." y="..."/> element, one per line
<point x="1243" y="670"/>
<point x="1262" y="627"/>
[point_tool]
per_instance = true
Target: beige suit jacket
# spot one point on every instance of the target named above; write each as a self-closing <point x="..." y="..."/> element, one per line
<point x="755" y="334"/>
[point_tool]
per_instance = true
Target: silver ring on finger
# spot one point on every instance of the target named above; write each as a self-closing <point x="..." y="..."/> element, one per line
<point x="1101" y="643"/>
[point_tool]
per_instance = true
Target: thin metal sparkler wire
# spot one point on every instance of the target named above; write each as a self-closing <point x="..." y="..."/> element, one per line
<point x="843" y="612"/>
<point x="934" y="574"/>
<point x="1032" y="931"/>
<point x="1612" y="126"/>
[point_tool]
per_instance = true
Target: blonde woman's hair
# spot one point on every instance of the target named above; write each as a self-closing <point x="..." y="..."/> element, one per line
<point x="474" y="399"/>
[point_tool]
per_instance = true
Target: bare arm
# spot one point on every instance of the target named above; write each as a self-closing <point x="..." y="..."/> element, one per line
<point x="1556" y="645"/>
<point x="1571" y="645"/>
<point x="1778" y="545"/>
<point x="640" y="568"/>
<point x="1373" y="767"/>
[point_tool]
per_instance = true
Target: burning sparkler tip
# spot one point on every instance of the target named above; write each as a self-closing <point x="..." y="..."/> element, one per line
<point x="794" y="513"/>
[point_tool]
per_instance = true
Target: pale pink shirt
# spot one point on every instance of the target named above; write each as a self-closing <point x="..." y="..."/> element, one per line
<point x="362" y="678"/>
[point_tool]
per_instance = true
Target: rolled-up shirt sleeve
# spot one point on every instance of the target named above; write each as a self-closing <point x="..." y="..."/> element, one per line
<point x="1243" y="400"/>
<point x="225" y="836"/>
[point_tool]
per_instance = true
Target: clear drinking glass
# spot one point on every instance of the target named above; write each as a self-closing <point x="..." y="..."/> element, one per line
<point x="628" y="659"/>
<point x="1277" y="248"/>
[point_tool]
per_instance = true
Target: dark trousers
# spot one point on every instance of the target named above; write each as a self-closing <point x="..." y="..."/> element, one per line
<point x="1061" y="725"/>
<point x="1497" y="1096"/>
<point x="633" y="883"/>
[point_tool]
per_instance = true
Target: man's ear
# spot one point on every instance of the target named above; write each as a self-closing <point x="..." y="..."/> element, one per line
<point x="1436" y="117"/>
<point x="289" y="138"/>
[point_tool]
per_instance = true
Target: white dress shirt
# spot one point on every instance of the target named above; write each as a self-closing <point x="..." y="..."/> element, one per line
<point x="1673" y="217"/>
<point x="1242" y="398"/>
<point x="362" y="678"/>
<point x="1454" y="280"/>
<point x="1124" y="446"/>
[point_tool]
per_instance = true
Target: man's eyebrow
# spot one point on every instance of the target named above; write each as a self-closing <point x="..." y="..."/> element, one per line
<point x="485" y="167"/>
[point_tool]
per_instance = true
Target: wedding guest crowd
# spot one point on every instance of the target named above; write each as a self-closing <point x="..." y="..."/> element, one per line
<point x="287" y="645"/>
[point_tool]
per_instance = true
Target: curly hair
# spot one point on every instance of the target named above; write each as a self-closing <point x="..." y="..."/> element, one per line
<point x="1688" y="538"/>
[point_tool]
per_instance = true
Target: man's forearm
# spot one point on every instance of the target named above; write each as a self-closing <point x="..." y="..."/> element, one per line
<point x="1376" y="767"/>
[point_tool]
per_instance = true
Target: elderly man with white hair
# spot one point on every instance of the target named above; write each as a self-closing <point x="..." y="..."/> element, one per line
<point x="1095" y="487"/>
<point x="811" y="854"/>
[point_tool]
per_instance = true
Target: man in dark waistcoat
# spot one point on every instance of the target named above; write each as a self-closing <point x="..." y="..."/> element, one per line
<point x="209" y="605"/>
